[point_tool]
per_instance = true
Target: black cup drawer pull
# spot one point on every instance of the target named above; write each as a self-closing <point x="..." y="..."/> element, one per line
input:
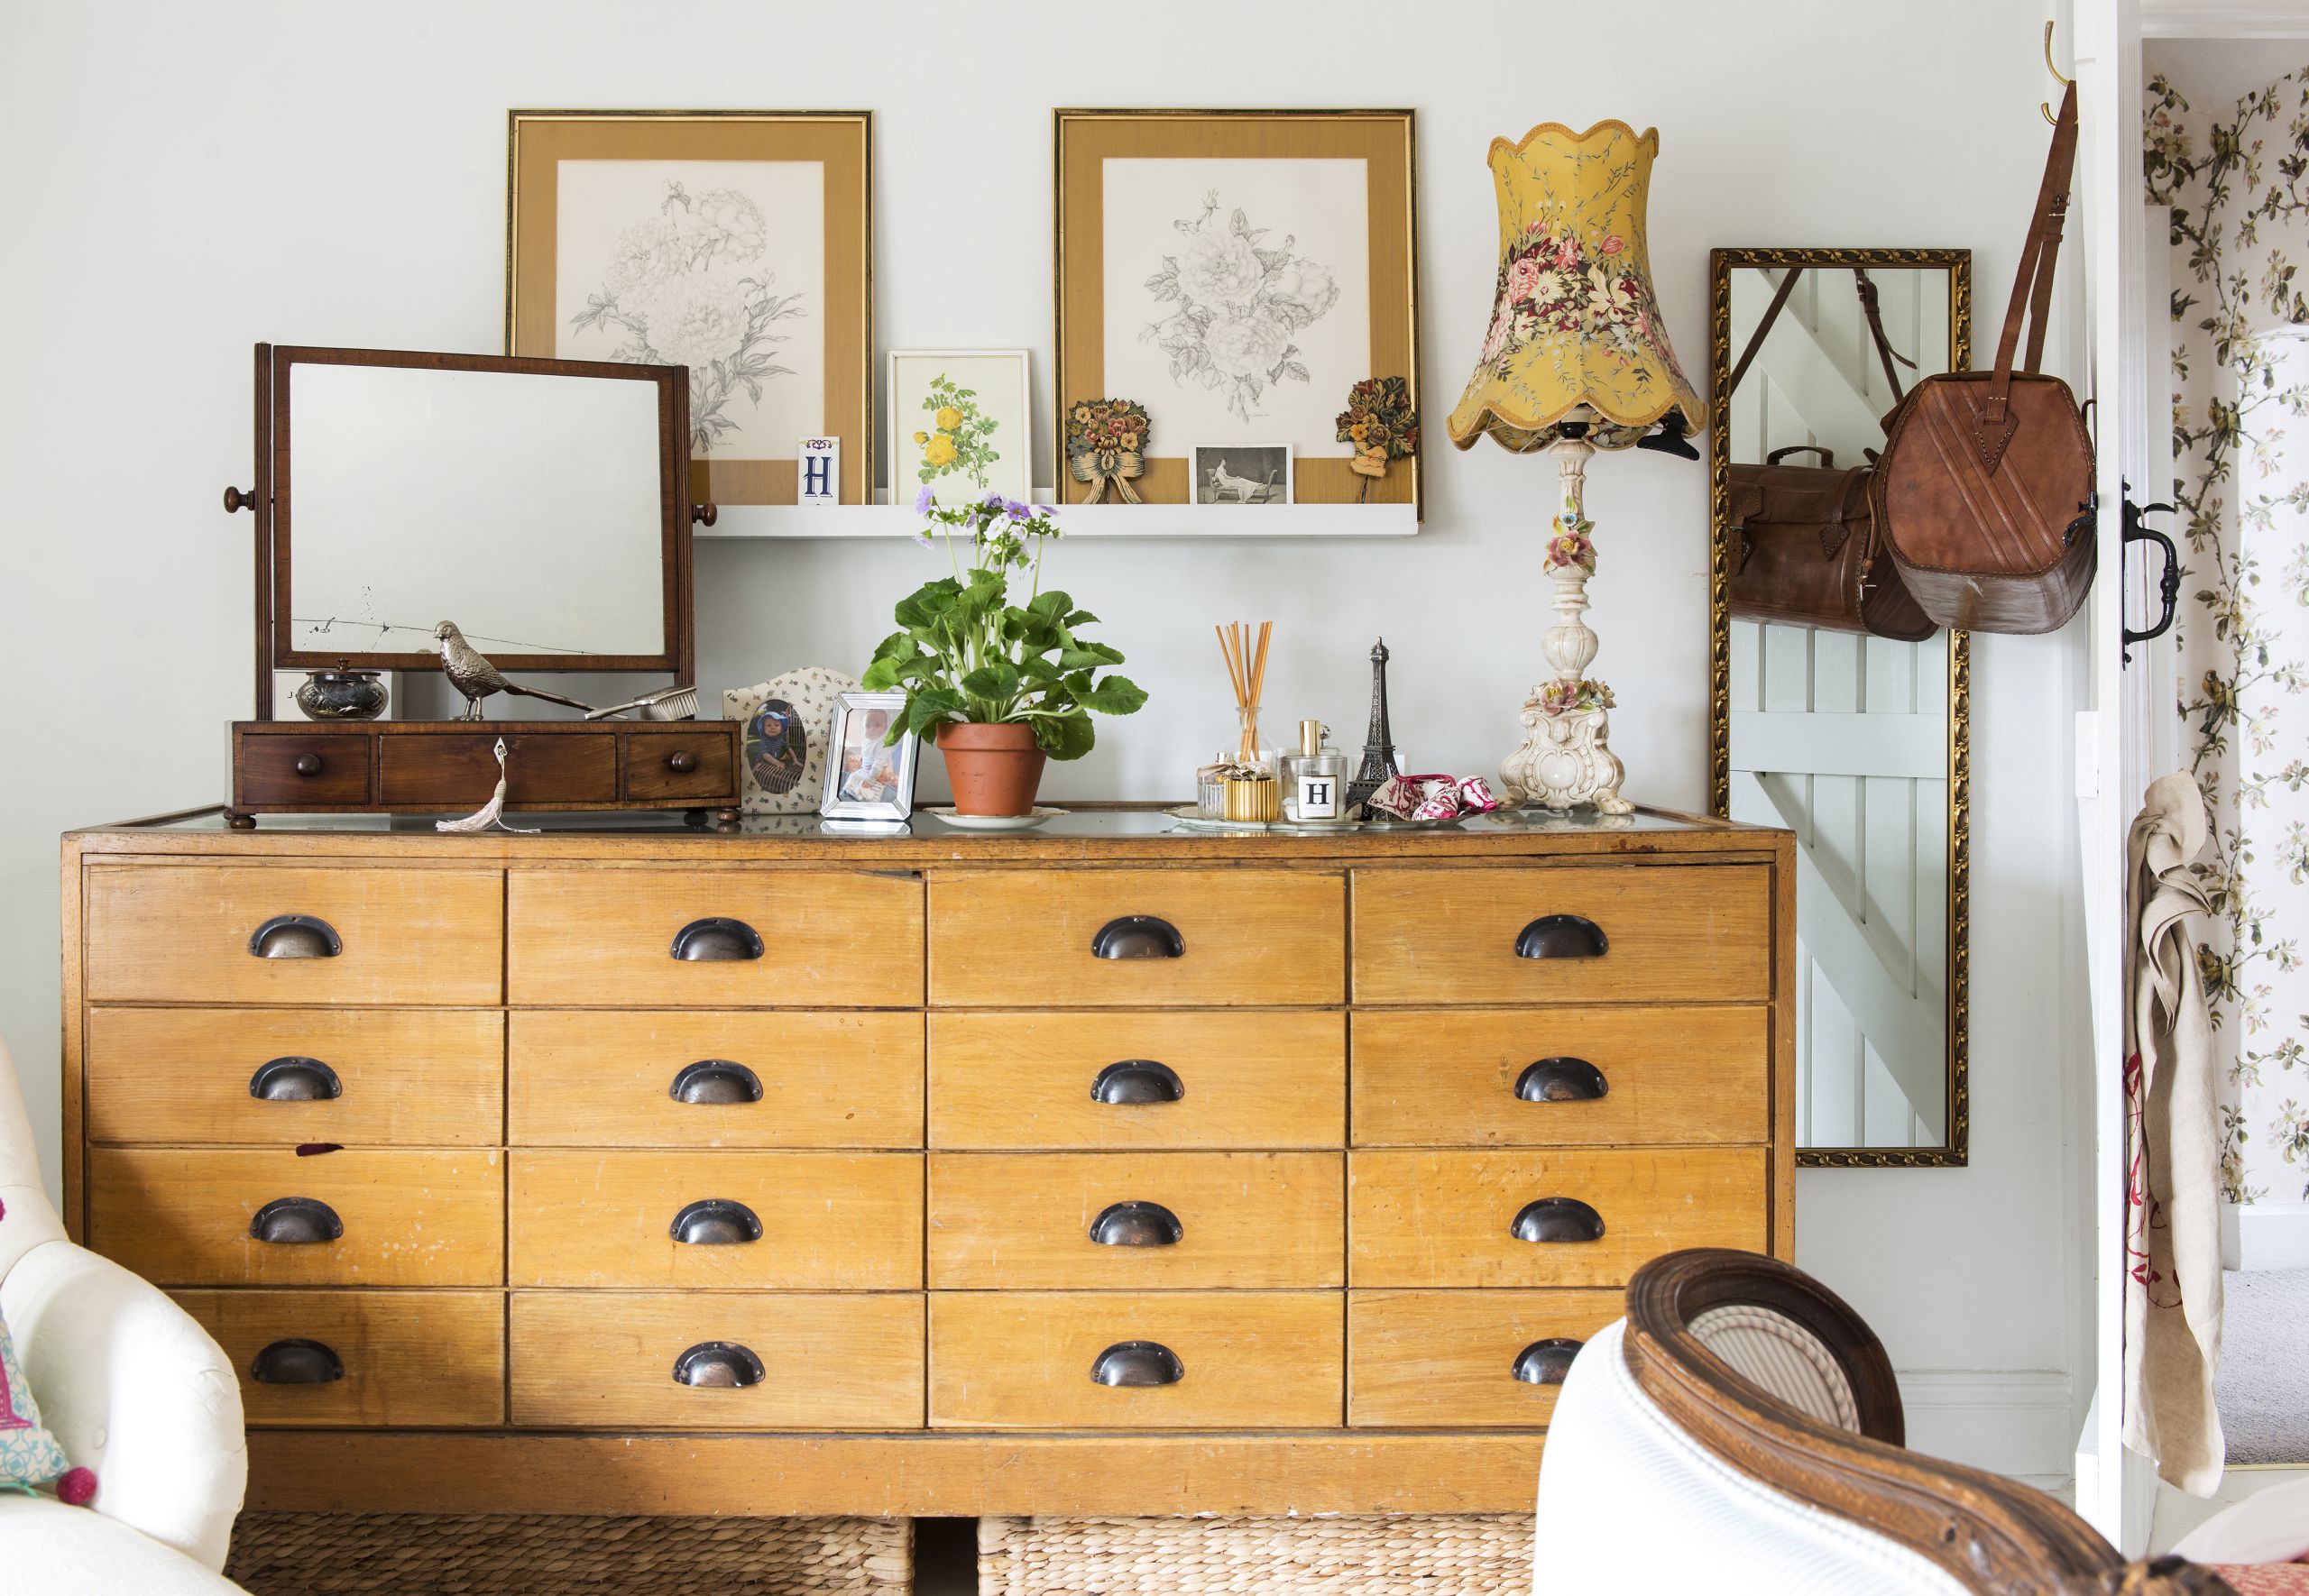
<point x="1137" y="1224"/>
<point x="296" y="1222"/>
<point x="294" y="936"/>
<point x="717" y="940"/>
<point x="1558" y="1219"/>
<point x="295" y="1361"/>
<point x="1546" y="1363"/>
<point x="1137" y="1081"/>
<point x="1138" y="936"/>
<point x="1138" y="1362"/>
<point x="715" y="1221"/>
<point x="715" y="1080"/>
<point x="1562" y="936"/>
<point x="294" y="1079"/>
<point x="1561" y="1080"/>
<point x="718" y="1363"/>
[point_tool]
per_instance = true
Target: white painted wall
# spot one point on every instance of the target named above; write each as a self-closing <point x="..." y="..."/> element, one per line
<point x="180" y="181"/>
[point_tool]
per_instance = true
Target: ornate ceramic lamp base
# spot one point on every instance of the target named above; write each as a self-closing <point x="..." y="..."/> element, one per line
<point x="1565" y="760"/>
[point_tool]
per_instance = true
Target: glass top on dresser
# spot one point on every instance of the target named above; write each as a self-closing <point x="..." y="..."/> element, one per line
<point x="1088" y="824"/>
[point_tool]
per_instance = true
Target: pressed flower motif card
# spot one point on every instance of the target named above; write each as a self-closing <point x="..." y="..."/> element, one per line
<point x="1235" y="273"/>
<point x="733" y="244"/>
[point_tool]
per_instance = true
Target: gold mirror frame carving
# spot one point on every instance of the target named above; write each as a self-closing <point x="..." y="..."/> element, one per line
<point x="1958" y="264"/>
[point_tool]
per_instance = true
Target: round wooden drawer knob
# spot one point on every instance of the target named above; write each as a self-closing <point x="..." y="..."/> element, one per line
<point x="681" y="762"/>
<point x="309" y="765"/>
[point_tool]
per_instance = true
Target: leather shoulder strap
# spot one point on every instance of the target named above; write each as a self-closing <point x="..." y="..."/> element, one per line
<point x="1763" y="328"/>
<point x="2032" y="286"/>
<point x="1885" y="353"/>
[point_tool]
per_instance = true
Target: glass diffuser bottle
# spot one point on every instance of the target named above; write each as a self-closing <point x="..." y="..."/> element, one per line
<point x="1314" y="778"/>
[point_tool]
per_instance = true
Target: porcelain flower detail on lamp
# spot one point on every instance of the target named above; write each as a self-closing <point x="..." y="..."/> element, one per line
<point x="1575" y="360"/>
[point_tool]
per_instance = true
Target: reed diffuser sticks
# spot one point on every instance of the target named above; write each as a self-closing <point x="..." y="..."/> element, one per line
<point x="1247" y="672"/>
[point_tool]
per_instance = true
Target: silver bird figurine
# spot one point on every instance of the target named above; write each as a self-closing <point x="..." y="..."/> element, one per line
<point x="472" y="675"/>
<point x="490" y="816"/>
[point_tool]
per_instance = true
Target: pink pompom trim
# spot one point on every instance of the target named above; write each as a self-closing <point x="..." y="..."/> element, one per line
<point x="78" y="1488"/>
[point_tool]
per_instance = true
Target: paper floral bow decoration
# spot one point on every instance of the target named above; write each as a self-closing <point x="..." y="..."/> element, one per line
<point x="1106" y="445"/>
<point x="1379" y="422"/>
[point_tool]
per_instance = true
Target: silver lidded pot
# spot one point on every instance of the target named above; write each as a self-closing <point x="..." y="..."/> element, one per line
<point x="342" y="694"/>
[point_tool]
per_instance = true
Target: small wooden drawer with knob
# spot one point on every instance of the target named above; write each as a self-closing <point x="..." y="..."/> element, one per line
<point x="216" y="1216"/>
<point x="717" y="1361"/>
<point x="1563" y="933"/>
<point x="364" y="1077"/>
<point x="388" y="1360"/>
<point x="766" y="1221"/>
<point x="1561" y="1076"/>
<point x="663" y="763"/>
<point x="1137" y="1080"/>
<point x="318" y="768"/>
<point x="1098" y="938"/>
<point x="1118" y="1221"/>
<point x="1420" y="1360"/>
<point x="317" y="935"/>
<point x="581" y="1077"/>
<point x="1126" y="1360"/>
<point x="714" y="938"/>
<point x="1574" y="1217"/>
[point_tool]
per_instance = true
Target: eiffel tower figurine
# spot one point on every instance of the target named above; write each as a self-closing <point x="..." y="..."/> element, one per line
<point x="1378" y="742"/>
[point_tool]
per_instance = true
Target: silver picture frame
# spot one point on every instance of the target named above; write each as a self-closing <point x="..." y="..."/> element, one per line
<point x="864" y="779"/>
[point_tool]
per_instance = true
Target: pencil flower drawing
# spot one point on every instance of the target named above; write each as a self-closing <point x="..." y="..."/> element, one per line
<point x="1238" y="307"/>
<point x="690" y="286"/>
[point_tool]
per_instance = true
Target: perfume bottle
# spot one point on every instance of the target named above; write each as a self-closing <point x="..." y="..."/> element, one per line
<point x="1314" y="779"/>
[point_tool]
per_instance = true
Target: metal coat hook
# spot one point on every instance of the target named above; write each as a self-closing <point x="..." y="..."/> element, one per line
<point x="2061" y="77"/>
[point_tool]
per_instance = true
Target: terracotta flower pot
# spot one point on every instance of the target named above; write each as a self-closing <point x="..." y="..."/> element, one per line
<point x="994" y="769"/>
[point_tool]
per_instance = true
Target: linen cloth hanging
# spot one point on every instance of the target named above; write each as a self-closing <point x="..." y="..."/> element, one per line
<point x="2173" y="1287"/>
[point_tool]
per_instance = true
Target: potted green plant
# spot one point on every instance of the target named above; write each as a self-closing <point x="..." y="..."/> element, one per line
<point x="998" y="686"/>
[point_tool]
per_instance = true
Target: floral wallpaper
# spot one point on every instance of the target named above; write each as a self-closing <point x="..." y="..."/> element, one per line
<point x="2236" y="178"/>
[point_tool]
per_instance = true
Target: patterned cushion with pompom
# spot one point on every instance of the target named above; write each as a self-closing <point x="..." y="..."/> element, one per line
<point x="28" y="1454"/>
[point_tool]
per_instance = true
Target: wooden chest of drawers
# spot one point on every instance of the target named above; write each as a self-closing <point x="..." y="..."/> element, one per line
<point x="1102" y="1169"/>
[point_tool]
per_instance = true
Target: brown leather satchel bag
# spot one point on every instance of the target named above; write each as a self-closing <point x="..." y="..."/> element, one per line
<point x="1805" y="551"/>
<point x="1984" y="490"/>
<point x="1804" y="544"/>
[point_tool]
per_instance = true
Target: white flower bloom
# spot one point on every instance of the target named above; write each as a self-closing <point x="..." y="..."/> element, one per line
<point x="1218" y="268"/>
<point x="1306" y="286"/>
<point x="695" y="318"/>
<point x="1245" y="346"/>
<point x="732" y="226"/>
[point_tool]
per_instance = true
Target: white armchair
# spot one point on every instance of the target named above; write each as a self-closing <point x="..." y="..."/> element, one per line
<point x="134" y="1389"/>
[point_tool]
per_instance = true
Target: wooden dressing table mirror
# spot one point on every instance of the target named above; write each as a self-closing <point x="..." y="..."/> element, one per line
<point x="541" y="505"/>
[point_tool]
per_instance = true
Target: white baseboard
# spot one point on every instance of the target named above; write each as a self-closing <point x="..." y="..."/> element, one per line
<point x="2269" y="1236"/>
<point x="2019" y="1422"/>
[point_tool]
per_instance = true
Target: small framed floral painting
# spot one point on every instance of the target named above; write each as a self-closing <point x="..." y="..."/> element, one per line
<point x="735" y="243"/>
<point x="958" y="425"/>
<point x="1235" y="273"/>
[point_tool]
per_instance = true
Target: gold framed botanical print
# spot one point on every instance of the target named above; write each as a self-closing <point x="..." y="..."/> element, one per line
<point x="737" y="243"/>
<point x="1236" y="273"/>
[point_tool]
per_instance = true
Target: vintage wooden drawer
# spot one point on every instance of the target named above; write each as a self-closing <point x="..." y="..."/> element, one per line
<point x="204" y="1216"/>
<point x="1424" y="1360"/>
<point x="1137" y="1080"/>
<point x="714" y="938"/>
<point x="315" y="767"/>
<point x="266" y="933"/>
<point x="769" y="1221"/>
<point x="425" y="1360"/>
<point x="717" y="1361"/>
<point x="579" y="1077"/>
<point x="1091" y="939"/>
<point x="1575" y="1217"/>
<point x="675" y="761"/>
<point x="1563" y="933"/>
<point x="1111" y="1221"/>
<point x="544" y="768"/>
<point x="361" y="1077"/>
<point x="1154" y="1360"/>
<point x="1561" y="1076"/>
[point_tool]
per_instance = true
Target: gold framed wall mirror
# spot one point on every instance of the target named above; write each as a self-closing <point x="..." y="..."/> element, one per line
<point x="1837" y="711"/>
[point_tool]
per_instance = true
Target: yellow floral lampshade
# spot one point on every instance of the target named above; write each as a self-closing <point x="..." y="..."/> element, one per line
<point x="1575" y="322"/>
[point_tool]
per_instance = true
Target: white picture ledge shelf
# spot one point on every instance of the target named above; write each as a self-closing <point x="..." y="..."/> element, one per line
<point x="1079" y="520"/>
